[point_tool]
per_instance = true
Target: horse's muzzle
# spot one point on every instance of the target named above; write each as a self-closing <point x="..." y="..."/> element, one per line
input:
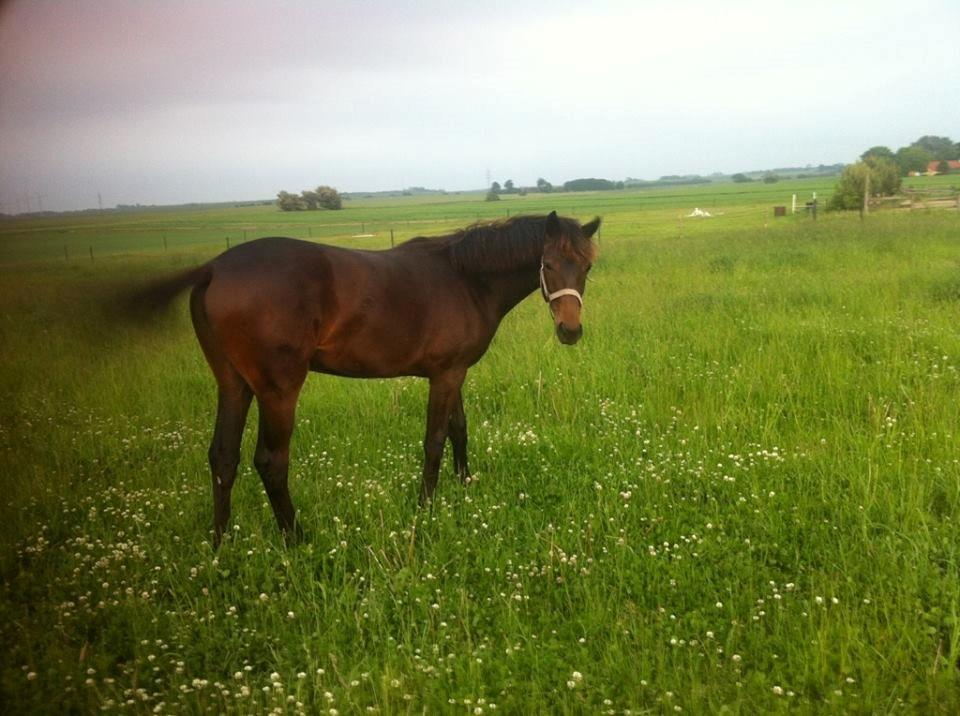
<point x="569" y="336"/>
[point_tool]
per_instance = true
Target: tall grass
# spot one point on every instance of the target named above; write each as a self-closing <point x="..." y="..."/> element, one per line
<point x="739" y="491"/>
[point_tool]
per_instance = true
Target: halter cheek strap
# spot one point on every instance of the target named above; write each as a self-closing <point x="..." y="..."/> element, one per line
<point x="551" y="297"/>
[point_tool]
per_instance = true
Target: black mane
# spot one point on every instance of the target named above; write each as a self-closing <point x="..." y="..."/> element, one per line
<point x="504" y="245"/>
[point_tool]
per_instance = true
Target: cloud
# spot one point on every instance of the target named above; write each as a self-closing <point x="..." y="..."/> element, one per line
<point x="145" y="99"/>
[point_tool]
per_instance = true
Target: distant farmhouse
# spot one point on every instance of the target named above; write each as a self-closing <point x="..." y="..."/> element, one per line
<point x="933" y="167"/>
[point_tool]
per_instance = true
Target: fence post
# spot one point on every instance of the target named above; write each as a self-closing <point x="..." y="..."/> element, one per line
<point x="91" y="253"/>
<point x="865" y="209"/>
<point x="391" y="238"/>
<point x="227" y="239"/>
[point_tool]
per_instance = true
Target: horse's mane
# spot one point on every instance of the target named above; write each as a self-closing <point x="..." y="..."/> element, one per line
<point x="505" y="245"/>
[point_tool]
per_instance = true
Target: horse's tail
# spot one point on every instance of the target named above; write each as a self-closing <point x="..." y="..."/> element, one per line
<point x="145" y="302"/>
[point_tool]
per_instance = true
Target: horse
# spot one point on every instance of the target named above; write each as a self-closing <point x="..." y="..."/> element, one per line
<point x="269" y="311"/>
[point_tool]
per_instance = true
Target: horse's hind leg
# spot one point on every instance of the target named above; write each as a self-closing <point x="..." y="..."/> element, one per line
<point x="272" y="458"/>
<point x="458" y="438"/>
<point x="233" y="401"/>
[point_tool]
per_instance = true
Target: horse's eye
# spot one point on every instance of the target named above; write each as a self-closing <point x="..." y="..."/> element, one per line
<point x="548" y="266"/>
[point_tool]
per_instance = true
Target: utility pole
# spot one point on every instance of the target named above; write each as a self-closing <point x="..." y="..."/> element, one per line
<point x="100" y="202"/>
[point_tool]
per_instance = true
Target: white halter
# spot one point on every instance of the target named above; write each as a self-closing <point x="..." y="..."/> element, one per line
<point x="551" y="297"/>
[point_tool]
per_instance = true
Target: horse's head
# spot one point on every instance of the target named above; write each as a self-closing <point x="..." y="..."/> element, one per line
<point x="568" y="253"/>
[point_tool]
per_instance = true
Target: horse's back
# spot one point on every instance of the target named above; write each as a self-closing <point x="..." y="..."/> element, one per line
<point x="278" y="307"/>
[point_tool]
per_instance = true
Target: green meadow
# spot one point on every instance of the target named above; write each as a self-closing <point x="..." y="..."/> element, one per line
<point x="740" y="492"/>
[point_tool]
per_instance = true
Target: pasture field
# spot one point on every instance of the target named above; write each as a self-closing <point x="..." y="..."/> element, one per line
<point x="739" y="492"/>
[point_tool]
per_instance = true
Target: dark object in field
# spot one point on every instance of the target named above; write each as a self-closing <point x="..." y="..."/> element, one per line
<point x="268" y="311"/>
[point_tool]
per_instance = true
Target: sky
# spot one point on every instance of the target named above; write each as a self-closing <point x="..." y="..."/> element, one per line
<point x="166" y="101"/>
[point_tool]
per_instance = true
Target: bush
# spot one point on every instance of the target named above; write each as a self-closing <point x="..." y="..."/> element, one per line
<point x="329" y="198"/>
<point x="290" y="202"/>
<point x="883" y="175"/>
<point x="323" y="197"/>
<point x="492" y="196"/>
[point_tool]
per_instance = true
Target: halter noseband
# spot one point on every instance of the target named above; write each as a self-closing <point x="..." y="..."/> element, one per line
<point x="551" y="297"/>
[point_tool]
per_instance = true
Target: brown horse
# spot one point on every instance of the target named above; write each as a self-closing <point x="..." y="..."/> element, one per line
<point x="269" y="311"/>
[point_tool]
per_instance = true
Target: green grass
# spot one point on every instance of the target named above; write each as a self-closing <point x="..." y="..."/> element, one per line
<point x="740" y="491"/>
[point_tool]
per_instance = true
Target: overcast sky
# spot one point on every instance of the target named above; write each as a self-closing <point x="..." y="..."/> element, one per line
<point x="169" y="101"/>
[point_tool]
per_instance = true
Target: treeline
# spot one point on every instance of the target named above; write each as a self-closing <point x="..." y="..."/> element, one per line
<point x="919" y="155"/>
<point x="323" y="197"/>
<point x="545" y="187"/>
<point x="880" y="170"/>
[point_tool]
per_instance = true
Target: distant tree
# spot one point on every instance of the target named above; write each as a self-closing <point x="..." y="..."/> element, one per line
<point x="879" y="152"/>
<point x="589" y="184"/>
<point x="329" y="198"/>
<point x="943" y="167"/>
<point x="543" y="186"/>
<point x="912" y="159"/>
<point x="883" y="175"/>
<point x="848" y="194"/>
<point x="495" y="188"/>
<point x="770" y="178"/>
<point x="522" y="191"/>
<point x="508" y="187"/>
<point x="492" y="195"/>
<point x="289" y="202"/>
<point x="741" y="178"/>
<point x="310" y="199"/>
<point x="939" y="147"/>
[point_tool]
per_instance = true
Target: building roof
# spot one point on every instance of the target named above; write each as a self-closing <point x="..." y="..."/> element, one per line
<point x="952" y="163"/>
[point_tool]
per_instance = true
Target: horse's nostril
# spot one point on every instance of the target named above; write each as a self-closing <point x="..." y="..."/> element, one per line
<point x="569" y="336"/>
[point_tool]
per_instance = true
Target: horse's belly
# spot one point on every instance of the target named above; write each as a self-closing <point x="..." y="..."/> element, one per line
<point x="354" y="367"/>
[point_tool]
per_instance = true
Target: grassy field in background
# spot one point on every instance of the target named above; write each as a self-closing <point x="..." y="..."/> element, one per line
<point x="740" y="491"/>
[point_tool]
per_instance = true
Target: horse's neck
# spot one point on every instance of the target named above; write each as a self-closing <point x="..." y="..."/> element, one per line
<point x="506" y="290"/>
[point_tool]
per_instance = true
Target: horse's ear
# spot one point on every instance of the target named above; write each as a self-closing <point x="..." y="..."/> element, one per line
<point x="553" y="226"/>
<point x="591" y="228"/>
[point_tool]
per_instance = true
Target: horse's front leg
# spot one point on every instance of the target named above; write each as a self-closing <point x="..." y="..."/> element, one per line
<point x="458" y="439"/>
<point x="444" y="392"/>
